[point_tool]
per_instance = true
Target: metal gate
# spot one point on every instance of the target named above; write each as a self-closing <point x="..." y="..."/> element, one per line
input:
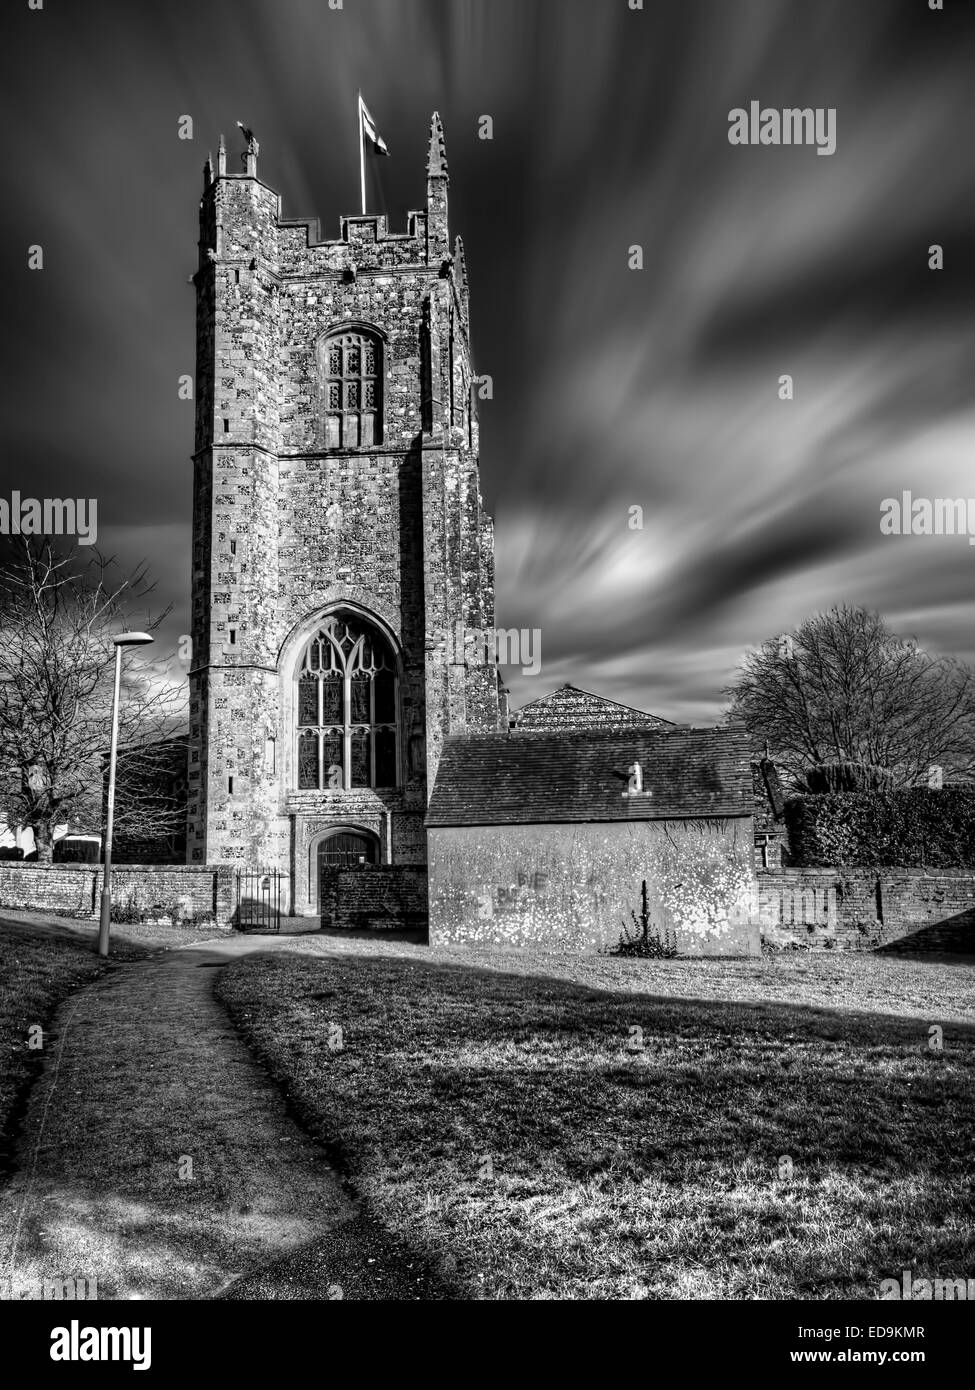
<point x="259" y="899"/>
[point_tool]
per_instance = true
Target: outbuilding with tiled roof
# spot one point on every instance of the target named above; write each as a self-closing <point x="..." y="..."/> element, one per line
<point x="551" y="838"/>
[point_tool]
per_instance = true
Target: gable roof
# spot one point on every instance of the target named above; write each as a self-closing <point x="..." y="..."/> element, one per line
<point x="570" y="707"/>
<point x="497" y="779"/>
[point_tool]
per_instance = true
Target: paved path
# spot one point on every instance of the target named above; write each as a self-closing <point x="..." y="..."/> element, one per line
<point x="158" y="1158"/>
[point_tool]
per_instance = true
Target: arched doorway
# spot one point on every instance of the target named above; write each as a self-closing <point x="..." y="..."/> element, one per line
<point x="343" y="849"/>
<point x="346" y="848"/>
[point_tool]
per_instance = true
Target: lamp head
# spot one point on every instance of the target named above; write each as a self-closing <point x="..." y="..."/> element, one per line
<point x="132" y="639"/>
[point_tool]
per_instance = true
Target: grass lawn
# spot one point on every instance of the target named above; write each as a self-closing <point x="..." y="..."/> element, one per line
<point x="38" y="969"/>
<point x="490" y="1110"/>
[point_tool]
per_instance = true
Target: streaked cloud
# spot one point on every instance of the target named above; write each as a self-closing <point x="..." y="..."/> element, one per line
<point x="613" y="388"/>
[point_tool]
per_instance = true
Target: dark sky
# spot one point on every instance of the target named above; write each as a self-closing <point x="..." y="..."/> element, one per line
<point x="613" y="388"/>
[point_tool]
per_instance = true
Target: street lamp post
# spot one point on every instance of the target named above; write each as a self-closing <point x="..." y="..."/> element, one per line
<point x="124" y="639"/>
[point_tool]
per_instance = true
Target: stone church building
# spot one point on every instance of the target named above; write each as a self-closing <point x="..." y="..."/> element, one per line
<point x="340" y="543"/>
<point x="339" y="534"/>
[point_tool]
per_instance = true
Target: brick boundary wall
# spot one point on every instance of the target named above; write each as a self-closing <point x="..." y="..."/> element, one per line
<point x="375" y="897"/>
<point x="911" y="909"/>
<point x="75" y="889"/>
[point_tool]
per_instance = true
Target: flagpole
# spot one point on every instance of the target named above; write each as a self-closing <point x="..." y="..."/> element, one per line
<point x="362" y="157"/>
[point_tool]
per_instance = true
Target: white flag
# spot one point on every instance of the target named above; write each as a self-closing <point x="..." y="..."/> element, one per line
<point x="370" y="131"/>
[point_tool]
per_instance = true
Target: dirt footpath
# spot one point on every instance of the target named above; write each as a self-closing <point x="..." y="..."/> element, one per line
<point x="157" y="1158"/>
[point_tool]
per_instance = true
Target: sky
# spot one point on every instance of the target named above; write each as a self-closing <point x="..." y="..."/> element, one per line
<point x="614" y="388"/>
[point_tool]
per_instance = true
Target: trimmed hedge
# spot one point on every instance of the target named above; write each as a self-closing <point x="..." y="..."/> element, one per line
<point x="907" y="828"/>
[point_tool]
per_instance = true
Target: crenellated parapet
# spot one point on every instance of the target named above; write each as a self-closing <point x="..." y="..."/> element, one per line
<point x="243" y="215"/>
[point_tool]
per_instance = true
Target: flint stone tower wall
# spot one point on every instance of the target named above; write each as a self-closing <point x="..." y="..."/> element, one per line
<point x="289" y="529"/>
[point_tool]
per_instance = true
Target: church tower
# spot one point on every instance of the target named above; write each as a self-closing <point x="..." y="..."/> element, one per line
<point x="340" y="545"/>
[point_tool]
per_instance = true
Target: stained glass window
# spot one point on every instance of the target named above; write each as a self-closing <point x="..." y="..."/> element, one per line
<point x="347" y="728"/>
<point x="360" y="760"/>
<point x="352" y="392"/>
<point x="307" y="759"/>
<point x="360" y="699"/>
<point x="308" y="702"/>
<point x="384" y="687"/>
<point x="332" y="761"/>
<point x="384" y="741"/>
<point x="332" y="712"/>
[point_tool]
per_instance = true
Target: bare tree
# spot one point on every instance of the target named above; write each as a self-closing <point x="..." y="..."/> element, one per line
<point x="58" y="613"/>
<point x="844" y="688"/>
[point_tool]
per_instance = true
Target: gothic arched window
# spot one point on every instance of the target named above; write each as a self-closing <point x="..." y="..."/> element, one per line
<point x="352" y="368"/>
<point x="347" y="728"/>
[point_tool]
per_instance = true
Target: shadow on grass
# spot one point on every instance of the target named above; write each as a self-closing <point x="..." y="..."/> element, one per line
<point x="583" y="1097"/>
<point x="126" y="941"/>
<point x="780" y="1070"/>
<point x="536" y="975"/>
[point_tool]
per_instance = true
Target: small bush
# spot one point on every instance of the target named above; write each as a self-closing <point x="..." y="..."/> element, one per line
<point x="647" y="940"/>
<point x="174" y="910"/>
<point x="771" y="949"/>
<point x="127" y="910"/>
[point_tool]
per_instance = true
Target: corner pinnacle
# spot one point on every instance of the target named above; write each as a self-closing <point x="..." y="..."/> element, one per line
<point x="437" y="157"/>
